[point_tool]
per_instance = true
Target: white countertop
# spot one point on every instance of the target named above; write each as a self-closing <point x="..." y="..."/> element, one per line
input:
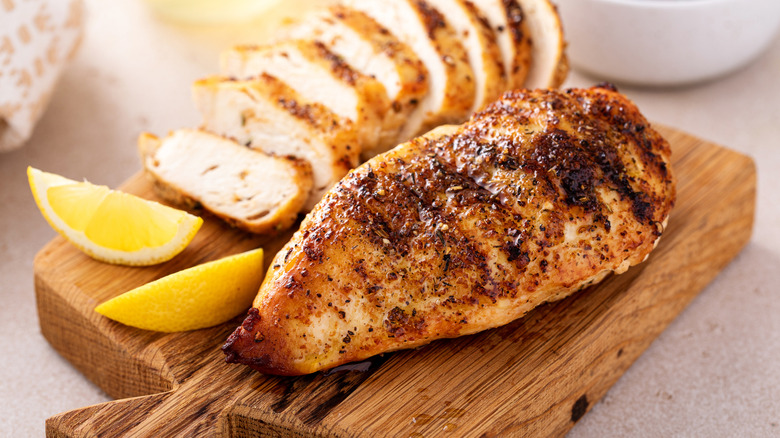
<point x="715" y="371"/>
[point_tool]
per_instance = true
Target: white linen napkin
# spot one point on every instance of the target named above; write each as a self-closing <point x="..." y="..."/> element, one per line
<point x="37" y="38"/>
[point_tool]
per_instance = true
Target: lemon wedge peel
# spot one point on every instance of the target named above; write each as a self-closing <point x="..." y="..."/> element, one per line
<point x="198" y="297"/>
<point x="88" y="215"/>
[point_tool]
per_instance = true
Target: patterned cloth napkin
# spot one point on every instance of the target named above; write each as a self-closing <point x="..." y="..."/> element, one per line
<point x="37" y="38"/>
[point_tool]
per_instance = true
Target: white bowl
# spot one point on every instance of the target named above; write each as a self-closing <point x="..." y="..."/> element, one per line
<point x="666" y="42"/>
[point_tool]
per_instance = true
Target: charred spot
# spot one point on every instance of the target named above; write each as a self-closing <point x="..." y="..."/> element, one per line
<point x="361" y="269"/>
<point x="515" y="19"/>
<point x="615" y="172"/>
<point x="395" y="321"/>
<point x="337" y="64"/>
<point x="313" y="252"/>
<point x="507" y="162"/>
<point x="446" y="258"/>
<point x="431" y="17"/>
<point x="643" y="210"/>
<point x="301" y="111"/>
<point x="515" y="252"/>
<point x="578" y="181"/>
<point x="253" y="317"/>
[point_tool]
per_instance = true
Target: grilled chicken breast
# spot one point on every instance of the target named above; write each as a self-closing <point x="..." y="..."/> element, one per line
<point x="464" y="229"/>
<point x="374" y="51"/>
<point x="424" y="28"/>
<point x="249" y="189"/>
<point x="265" y="114"/>
<point x="320" y="76"/>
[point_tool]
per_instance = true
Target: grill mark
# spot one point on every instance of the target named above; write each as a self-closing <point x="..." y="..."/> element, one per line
<point x="487" y="34"/>
<point x="574" y="172"/>
<point x="495" y="209"/>
<point x="300" y="111"/>
<point x="492" y="210"/>
<point x="515" y="18"/>
<point x="312" y="113"/>
<point x="338" y="66"/>
<point x="431" y="17"/>
<point x="418" y="200"/>
<point x="627" y="125"/>
<point x="581" y="165"/>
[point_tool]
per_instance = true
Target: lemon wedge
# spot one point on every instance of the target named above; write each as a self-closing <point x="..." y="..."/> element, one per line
<point x="110" y="225"/>
<point x="198" y="297"/>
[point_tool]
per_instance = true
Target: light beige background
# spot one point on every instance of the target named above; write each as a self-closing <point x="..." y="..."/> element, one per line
<point x="715" y="372"/>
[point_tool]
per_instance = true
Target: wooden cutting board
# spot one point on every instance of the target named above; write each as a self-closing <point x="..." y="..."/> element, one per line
<point x="534" y="377"/>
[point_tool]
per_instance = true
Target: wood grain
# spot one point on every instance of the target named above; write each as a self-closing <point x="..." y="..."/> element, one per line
<point x="534" y="377"/>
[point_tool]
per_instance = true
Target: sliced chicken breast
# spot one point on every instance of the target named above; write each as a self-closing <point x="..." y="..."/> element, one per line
<point x="510" y="27"/>
<point x="266" y="114"/>
<point x="318" y="75"/>
<point x="427" y="32"/>
<point x="374" y="51"/>
<point x="549" y="65"/>
<point x="251" y="190"/>
<point x="481" y="44"/>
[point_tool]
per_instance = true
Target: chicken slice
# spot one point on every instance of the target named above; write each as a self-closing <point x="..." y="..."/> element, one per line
<point x="464" y="229"/>
<point x="318" y="75"/>
<point x="481" y="46"/>
<point x="510" y="26"/>
<point x="422" y="27"/>
<point x="249" y="189"/>
<point x="265" y="114"/>
<point x="549" y="65"/>
<point x="374" y="51"/>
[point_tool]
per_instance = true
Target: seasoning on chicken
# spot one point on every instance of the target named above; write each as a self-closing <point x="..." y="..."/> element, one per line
<point x="510" y="26"/>
<point x="373" y="51"/>
<point x="320" y="76"/>
<point x="464" y="229"/>
<point x="426" y="30"/>
<point x="480" y="42"/>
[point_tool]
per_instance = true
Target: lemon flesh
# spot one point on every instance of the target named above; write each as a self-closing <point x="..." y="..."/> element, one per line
<point x="110" y="225"/>
<point x="202" y="296"/>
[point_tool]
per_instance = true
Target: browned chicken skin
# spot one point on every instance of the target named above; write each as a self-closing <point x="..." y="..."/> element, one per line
<point x="466" y="228"/>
